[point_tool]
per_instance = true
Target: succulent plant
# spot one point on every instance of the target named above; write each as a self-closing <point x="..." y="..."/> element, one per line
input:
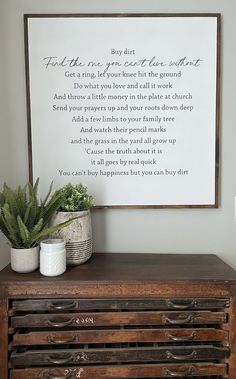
<point x="75" y="197"/>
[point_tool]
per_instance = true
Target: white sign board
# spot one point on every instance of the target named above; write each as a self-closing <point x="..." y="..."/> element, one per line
<point x="127" y="105"/>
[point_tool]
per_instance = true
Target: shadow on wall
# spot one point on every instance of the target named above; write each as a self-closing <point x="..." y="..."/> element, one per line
<point x="99" y="230"/>
<point x="5" y="252"/>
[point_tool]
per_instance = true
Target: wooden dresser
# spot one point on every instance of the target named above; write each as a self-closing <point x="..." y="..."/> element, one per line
<point x="121" y="316"/>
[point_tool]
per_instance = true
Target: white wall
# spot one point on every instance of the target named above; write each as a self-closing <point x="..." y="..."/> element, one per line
<point x="164" y="231"/>
<point x="6" y="158"/>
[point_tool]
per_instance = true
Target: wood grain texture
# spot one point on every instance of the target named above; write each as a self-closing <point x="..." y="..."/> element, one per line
<point x="124" y="371"/>
<point x="119" y="336"/>
<point x="114" y="299"/>
<point x="112" y="355"/>
<point x="132" y="267"/>
<point x="117" y="318"/>
<point x="3" y="334"/>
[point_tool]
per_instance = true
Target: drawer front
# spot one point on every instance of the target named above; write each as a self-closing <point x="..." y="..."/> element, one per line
<point x="118" y="318"/>
<point x="118" y="336"/>
<point x="123" y="371"/>
<point x="126" y="355"/>
<point x="116" y="304"/>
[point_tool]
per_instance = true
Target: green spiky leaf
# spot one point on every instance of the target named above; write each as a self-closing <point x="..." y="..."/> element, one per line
<point x="24" y="232"/>
<point x="48" y="194"/>
<point x="24" y="218"/>
<point x="52" y="229"/>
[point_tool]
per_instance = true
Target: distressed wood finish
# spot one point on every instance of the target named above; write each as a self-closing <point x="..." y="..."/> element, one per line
<point x="124" y="371"/>
<point x="109" y="318"/>
<point x="3" y="333"/>
<point x="119" y="336"/>
<point x="116" y="304"/>
<point x="160" y="316"/>
<point x="109" y="355"/>
<point x="232" y="334"/>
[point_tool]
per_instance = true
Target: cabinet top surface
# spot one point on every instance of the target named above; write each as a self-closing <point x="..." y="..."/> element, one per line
<point x="119" y="267"/>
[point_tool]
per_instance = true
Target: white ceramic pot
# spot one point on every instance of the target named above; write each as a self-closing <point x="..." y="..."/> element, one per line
<point x="25" y="260"/>
<point x="77" y="235"/>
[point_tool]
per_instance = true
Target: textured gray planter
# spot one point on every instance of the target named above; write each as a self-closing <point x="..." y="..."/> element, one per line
<point x="25" y="260"/>
<point x="77" y="236"/>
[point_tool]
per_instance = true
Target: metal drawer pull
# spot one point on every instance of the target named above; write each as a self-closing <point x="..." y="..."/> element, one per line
<point x="61" y="361"/>
<point x="180" y="374"/>
<point x="192" y="304"/>
<point x="49" y="376"/>
<point x="181" y="338"/>
<point x="51" y="339"/>
<point x="170" y="355"/>
<point x="177" y="321"/>
<point x="59" y="306"/>
<point x="60" y="324"/>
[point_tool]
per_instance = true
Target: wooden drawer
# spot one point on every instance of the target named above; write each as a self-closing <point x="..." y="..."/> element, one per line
<point x="53" y="305"/>
<point x="118" y="338"/>
<point x="124" y="371"/>
<point x="142" y="327"/>
<point x="97" y="336"/>
<point x="121" y="336"/>
<point x="118" y="318"/>
<point x="110" y="355"/>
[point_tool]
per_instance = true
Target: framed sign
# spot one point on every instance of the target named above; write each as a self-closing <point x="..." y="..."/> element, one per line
<point x="126" y="104"/>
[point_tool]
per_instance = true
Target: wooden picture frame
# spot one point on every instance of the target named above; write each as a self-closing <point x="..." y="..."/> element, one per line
<point x="128" y="104"/>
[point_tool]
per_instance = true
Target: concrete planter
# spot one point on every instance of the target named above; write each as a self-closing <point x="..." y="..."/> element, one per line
<point x="25" y="260"/>
<point x="77" y="236"/>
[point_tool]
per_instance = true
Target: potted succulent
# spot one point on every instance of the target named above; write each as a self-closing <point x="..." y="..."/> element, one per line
<point x="76" y="203"/>
<point x="24" y="221"/>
